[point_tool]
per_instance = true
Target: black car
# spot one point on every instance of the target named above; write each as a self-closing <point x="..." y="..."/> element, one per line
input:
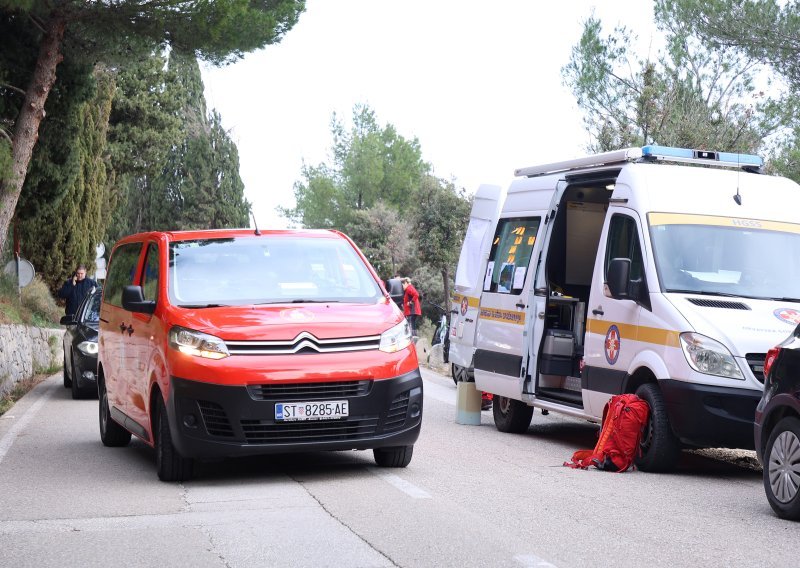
<point x="80" y="346"/>
<point x="777" y="427"/>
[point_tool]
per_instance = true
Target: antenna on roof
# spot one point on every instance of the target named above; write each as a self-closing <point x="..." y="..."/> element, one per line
<point x="258" y="233"/>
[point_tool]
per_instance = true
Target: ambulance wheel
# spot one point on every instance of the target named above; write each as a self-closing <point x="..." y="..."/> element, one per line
<point x="782" y="469"/>
<point x="393" y="457"/>
<point x="659" y="446"/>
<point x="171" y="466"/>
<point x="459" y="374"/>
<point x="511" y="415"/>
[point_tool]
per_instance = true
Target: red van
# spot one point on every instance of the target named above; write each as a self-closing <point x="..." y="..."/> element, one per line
<point x="225" y="343"/>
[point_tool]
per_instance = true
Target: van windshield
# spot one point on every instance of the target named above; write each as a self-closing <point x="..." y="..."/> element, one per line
<point x="726" y="256"/>
<point x="267" y="270"/>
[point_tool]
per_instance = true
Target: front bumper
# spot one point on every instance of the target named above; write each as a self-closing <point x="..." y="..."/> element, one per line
<point x="219" y="421"/>
<point x="710" y="416"/>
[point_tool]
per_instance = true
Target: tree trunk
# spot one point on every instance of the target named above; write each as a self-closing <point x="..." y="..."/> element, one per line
<point x="26" y="129"/>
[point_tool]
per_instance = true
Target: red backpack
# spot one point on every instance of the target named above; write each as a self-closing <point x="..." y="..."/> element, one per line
<point x="624" y="419"/>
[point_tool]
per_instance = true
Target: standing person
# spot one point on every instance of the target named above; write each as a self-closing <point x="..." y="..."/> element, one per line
<point x="74" y="289"/>
<point x="411" y="307"/>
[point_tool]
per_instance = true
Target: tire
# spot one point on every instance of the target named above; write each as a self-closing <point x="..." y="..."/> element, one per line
<point x="112" y="434"/>
<point x="67" y="376"/>
<point x="399" y="456"/>
<point x="782" y="469"/>
<point x="77" y="393"/>
<point x="170" y="465"/>
<point x="660" y="448"/>
<point x="459" y="374"/>
<point x="511" y="415"/>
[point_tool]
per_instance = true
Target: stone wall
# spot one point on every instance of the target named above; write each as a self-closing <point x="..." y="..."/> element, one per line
<point x="27" y="350"/>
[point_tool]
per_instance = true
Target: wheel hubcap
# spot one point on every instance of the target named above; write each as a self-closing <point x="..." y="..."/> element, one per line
<point x="505" y="404"/>
<point x="784" y="467"/>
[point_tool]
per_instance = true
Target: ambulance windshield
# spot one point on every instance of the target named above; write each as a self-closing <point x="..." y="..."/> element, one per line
<point x="726" y="256"/>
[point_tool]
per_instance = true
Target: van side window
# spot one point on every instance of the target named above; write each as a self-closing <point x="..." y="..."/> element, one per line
<point x="623" y="242"/>
<point x="121" y="271"/>
<point x="511" y="254"/>
<point x="150" y="273"/>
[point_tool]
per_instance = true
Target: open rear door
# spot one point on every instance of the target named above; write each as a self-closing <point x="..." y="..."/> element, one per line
<point x="470" y="273"/>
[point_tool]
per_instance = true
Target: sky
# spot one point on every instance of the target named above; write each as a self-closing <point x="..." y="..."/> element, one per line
<point x="477" y="83"/>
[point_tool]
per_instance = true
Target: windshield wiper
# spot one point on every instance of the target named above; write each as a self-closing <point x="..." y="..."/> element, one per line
<point x="785" y="299"/>
<point x="201" y="306"/>
<point x="306" y="301"/>
<point x="707" y="293"/>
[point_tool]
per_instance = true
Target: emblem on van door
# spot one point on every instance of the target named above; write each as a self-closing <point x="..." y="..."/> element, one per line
<point x="788" y="315"/>
<point x="613" y="343"/>
<point x="464" y="305"/>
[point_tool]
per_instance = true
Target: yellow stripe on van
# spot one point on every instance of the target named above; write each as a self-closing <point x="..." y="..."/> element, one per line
<point x="735" y="222"/>
<point x="654" y="335"/>
<point x="505" y="316"/>
<point x="473" y="302"/>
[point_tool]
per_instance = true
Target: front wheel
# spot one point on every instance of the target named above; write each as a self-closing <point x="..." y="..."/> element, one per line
<point x="112" y="434"/>
<point x="511" y="415"/>
<point x="67" y="378"/>
<point x="660" y="448"/>
<point x="399" y="456"/>
<point x="782" y="469"/>
<point x="171" y="466"/>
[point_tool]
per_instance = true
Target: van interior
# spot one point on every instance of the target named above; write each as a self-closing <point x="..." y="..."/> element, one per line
<point x="569" y="264"/>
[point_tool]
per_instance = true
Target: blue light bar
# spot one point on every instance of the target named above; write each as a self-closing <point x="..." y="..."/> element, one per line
<point x="702" y="156"/>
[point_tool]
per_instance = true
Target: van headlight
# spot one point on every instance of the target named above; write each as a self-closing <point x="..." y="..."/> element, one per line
<point x="396" y="338"/>
<point x="197" y="343"/>
<point x="709" y="357"/>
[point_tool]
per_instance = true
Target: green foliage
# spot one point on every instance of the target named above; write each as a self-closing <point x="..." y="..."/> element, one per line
<point x="35" y="304"/>
<point x="370" y="164"/>
<point x="62" y="213"/>
<point x="694" y="94"/>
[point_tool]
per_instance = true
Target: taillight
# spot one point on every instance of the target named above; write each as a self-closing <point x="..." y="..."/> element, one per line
<point x="772" y="354"/>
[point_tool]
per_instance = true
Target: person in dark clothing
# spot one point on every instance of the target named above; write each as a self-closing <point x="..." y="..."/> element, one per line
<point x="74" y="289"/>
<point x="411" y="306"/>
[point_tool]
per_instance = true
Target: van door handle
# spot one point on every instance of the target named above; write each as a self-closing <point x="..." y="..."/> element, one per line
<point x="122" y="327"/>
<point x="468" y="320"/>
<point x="454" y="312"/>
<point x="129" y="330"/>
<point x="520" y="305"/>
<point x="598" y="311"/>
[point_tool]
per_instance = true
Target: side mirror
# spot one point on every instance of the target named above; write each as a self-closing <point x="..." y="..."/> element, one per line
<point x="395" y="289"/>
<point x="67" y="320"/>
<point x="133" y="301"/>
<point x="618" y="277"/>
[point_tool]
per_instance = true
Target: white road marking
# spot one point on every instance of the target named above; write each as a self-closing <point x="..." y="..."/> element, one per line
<point x="398" y="482"/>
<point x="533" y="561"/>
<point x="7" y="440"/>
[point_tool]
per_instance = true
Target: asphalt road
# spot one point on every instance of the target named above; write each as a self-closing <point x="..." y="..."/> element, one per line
<point x="472" y="496"/>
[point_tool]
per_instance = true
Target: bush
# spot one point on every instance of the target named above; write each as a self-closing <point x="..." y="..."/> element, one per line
<point x="34" y="306"/>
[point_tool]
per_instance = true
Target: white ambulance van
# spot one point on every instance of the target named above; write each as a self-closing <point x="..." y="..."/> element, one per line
<point x="664" y="272"/>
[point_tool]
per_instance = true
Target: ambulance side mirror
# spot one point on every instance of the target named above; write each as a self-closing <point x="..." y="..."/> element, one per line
<point x="618" y="277"/>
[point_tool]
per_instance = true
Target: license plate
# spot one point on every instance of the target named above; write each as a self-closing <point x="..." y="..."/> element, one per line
<point x="321" y="410"/>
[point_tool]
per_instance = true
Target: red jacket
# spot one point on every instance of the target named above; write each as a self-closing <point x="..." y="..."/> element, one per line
<point x="411" y="301"/>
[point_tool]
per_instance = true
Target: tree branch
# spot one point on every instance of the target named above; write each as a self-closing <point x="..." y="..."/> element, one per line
<point x="12" y="88"/>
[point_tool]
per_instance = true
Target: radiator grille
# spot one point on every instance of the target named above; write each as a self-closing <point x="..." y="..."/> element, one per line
<point x="268" y="432"/>
<point x="304" y="343"/>
<point x="215" y="419"/>
<point x="309" y="391"/>
<point x="756" y="363"/>
<point x="718" y="304"/>
<point x="396" y="416"/>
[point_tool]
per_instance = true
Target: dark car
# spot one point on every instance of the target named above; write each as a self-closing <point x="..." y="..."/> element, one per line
<point x="777" y="427"/>
<point x="80" y="346"/>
